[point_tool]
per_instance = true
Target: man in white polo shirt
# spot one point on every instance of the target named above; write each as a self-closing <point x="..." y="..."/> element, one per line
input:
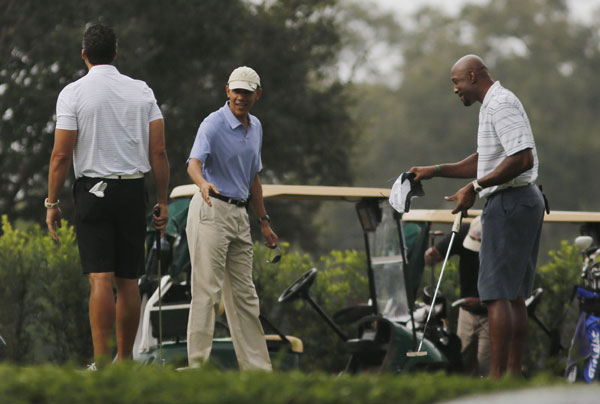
<point x="224" y="163"/>
<point x="506" y="167"/>
<point x="111" y="128"/>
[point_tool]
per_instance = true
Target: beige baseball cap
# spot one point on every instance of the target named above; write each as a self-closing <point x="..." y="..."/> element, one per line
<point x="473" y="239"/>
<point x="245" y="78"/>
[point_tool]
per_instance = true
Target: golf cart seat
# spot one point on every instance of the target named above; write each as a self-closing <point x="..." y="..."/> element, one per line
<point x="275" y="343"/>
<point x="371" y="339"/>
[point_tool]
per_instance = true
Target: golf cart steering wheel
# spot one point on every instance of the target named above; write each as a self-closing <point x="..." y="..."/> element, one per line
<point x="299" y="288"/>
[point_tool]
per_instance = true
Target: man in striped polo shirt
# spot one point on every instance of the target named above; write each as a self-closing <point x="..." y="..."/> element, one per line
<point x="506" y="167"/>
<point x="111" y="128"/>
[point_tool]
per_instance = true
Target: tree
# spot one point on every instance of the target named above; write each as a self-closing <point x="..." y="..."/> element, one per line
<point x="185" y="51"/>
<point x="534" y="49"/>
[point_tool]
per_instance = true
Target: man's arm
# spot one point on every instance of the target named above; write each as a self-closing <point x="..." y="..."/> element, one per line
<point x="195" y="172"/>
<point x="60" y="162"/>
<point x="258" y="206"/>
<point x="160" y="170"/>
<point x="466" y="168"/>
<point x="509" y="168"/>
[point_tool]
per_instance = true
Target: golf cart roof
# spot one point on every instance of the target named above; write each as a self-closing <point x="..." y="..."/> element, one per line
<point x="446" y="216"/>
<point x="306" y="192"/>
<point x="330" y="193"/>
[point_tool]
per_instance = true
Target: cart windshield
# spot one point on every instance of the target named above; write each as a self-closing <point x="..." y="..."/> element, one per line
<point x="387" y="265"/>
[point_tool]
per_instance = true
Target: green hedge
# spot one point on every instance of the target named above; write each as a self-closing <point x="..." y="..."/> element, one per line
<point x="43" y="296"/>
<point x="136" y="384"/>
<point x="341" y="282"/>
<point x="44" y="309"/>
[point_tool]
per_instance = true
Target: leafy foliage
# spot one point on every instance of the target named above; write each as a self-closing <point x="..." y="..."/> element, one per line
<point x="341" y="282"/>
<point x="130" y="384"/>
<point x="43" y="295"/>
<point x="557" y="278"/>
<point x="185" y="51"/>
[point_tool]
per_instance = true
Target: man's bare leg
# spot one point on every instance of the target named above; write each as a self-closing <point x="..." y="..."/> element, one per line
<point x="128" y="316"/>
<point x="517" y="347"/>
<point x="501" y="332"/>
<point x="102" y="314"/>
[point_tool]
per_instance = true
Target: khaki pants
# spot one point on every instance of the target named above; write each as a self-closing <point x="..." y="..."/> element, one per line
<point x="221" y="256"/>
<point x="474" y="335"/>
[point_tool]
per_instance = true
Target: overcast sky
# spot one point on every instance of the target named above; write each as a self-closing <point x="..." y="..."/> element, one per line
<point x="382" y="60"/>
<point x="581" y="9"/>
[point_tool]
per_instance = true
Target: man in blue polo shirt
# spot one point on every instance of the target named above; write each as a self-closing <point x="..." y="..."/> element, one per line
<point x="224" y="163"/>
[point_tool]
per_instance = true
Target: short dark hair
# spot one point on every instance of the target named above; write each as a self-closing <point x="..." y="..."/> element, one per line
<point x="100" y="44"/>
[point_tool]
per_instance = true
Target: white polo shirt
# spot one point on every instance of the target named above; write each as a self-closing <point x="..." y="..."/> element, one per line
<point x="504" y="130"/>
<point x="112" y="113"/>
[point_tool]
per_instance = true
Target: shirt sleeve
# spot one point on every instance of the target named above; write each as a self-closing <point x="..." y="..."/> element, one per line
<point x="155" y="112"/>
<point x="66" y="116"/>
<point x="260" y="165"/>
<point x="201" y="148"/>
<point x="512" y="127"/>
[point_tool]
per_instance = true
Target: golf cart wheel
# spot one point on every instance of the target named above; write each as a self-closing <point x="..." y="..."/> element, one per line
<point x="299" y="288"/>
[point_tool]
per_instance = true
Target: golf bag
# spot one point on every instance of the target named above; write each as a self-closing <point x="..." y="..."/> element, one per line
<point x="584" y="354"/>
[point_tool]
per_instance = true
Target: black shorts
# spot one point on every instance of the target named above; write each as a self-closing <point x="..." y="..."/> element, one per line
<point x="111" y="229"/>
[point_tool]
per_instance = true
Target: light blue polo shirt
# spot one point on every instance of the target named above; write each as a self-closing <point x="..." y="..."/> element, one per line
<point x="230" y="154"/>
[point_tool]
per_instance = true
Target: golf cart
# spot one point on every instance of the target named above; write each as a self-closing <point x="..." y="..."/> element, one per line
<point x="394" y="273"/>
<point x="389" y="325"/>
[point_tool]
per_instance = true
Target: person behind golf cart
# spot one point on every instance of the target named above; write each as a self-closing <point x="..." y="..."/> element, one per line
<point x="472" y="327"/>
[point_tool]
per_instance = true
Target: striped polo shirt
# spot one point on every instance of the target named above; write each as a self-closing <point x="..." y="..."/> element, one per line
<point x="112" y="114"/>
<point x="504" y="130"/>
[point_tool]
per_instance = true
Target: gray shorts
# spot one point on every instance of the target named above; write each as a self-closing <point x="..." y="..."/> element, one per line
<point x="511" y="227"/>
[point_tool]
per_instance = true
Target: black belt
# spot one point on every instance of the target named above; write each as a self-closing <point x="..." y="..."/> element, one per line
<point x="240" y="203"/>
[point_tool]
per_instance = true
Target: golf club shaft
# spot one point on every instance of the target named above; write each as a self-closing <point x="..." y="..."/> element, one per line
<point x="455" y="228"/>
<point x="160" y="338"/>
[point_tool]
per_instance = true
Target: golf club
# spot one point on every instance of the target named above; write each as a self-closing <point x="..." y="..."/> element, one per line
<point x="160" y="338"/>
<point x="455" y="228"/>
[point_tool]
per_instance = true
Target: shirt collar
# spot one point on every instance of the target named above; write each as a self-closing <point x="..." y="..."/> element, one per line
<point x="104" y="69"/>
<point x="231" y="119"/>
<point x="488" y="95"/>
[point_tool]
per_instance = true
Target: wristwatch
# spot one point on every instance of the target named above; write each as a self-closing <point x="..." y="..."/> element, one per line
<point x="265" y="217"/>
<point x="50" y="205"/>
<point x="478" y="188"/>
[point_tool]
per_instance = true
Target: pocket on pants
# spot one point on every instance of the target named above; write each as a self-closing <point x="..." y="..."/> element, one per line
<point x="514" y="205"/>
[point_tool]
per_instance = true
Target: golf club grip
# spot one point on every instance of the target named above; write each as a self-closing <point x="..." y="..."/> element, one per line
<point x="457" y="221"/>
<point x="156" y="211"/>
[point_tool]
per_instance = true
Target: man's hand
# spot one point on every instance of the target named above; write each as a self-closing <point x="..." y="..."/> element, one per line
<point x="464" y="197"/>
<point x="423" y="173"/>
<point x="432" y="256"/>
<point x="269" y="234"/>
<point x="53" y="220"/>
<point x="205" y="189"/>
<point x="160" y="222"/>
